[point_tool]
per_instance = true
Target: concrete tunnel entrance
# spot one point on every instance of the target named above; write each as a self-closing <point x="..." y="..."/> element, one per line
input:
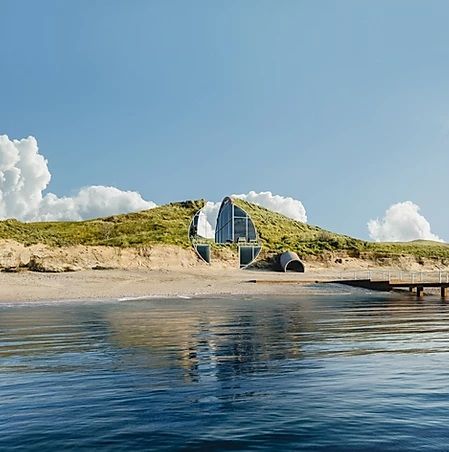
<point x="290" y="261"/>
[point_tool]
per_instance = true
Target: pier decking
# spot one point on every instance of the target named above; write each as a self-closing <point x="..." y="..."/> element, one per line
<point x="388" y="281"/>
<point x="384" y="281"/>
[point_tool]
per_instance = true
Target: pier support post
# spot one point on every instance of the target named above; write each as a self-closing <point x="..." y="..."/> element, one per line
<point x="410" y="289"/>
<point x="419" y="291"/>
<point x="443" y="292"/>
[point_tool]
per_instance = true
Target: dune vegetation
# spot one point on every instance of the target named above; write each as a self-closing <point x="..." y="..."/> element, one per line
<point x="279" y="233"/>
<point x="169" y="225"/>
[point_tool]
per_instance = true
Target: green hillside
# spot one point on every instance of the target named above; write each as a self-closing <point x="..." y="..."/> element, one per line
<point x="279" y="233"/>
<point x="419" y="249"/>
<point x="169" y="224"/>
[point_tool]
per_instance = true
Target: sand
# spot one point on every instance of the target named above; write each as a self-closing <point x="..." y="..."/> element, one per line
<point x="120" y="284"/>
<point x="161" y="271"/>
<point x="43" y="273"/>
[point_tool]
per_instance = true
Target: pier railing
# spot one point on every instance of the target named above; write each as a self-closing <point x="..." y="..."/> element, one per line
<point x="397" y="276"/>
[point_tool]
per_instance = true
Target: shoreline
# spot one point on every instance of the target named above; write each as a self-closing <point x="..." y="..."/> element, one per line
<point x="121" y="284"/>
<point x="188" y="282"/>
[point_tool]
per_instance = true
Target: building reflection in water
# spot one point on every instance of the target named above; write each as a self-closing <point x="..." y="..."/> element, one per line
<point x="213" y="339"/>
<point x="210" y="341"/>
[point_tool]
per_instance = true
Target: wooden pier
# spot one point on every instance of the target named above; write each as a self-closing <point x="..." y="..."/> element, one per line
<point x="379" y="280"/>
<point x="388" y="286"/>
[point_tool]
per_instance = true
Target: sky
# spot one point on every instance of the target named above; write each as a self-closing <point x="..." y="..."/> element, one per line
<point x="340" y="105"/>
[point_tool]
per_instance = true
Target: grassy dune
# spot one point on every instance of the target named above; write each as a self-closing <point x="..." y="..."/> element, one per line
<point x="169" y="224"/>
<point x="418" y="249"/>
<point x="162" y="225"/>
<point x="279" y="233"/>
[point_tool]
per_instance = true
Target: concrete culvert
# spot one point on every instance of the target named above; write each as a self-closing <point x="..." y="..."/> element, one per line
<point x="290" y="261"/>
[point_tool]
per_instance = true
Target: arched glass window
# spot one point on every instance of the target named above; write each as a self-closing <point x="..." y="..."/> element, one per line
<point x="234" y="224"/>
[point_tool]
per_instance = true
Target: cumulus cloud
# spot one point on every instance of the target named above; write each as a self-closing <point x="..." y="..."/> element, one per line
<point x="402" y="223"/>
<point x="91" y="202"/>
<point x="287" y="206"/>
<point x="24" y="176"/>
<point x="291" y="208"/>
<point x="208" y="219"/>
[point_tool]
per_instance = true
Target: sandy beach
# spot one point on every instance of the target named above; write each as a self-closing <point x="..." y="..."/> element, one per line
<point x="43" y="273"/>
<point x="179" y="281"/>
<point x="113" y="284"/>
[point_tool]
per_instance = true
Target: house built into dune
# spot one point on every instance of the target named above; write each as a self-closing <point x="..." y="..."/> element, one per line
<point x="233" y="227"/>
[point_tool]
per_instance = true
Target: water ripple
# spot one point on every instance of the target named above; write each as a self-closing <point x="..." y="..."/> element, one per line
<point x="337" y="371"/>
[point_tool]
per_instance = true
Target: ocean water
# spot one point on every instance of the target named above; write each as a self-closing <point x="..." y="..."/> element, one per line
<point x="344" y="370"/>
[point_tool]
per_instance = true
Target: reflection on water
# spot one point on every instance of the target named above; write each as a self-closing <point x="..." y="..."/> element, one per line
<point x="332" y="371"/>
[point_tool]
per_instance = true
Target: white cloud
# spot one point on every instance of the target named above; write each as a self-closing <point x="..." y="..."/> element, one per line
<point x="91" y="202"/>
<point x="402" y="222"/>
<point x="24" y="175"/>
<point x="208" y="219"/>
<point x="289" y="207"/>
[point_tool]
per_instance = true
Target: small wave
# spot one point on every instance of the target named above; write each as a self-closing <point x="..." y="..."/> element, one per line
<point x="143" y="297"/>
<point x="40" y="303"/>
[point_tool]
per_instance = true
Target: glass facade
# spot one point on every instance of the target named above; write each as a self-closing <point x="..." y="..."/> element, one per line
<point x="193" y="232"/>
<point x="234" y="224"/>
<point x="199" y="226"/>
<point x="204" y="252"/>
<point x="247" y="254"/>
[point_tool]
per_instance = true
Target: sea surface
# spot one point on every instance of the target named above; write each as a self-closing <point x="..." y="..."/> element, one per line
<point x="343" y="370"/>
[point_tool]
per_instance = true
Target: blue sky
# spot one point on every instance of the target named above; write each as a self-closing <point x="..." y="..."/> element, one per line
<point x="343" y="105"/>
